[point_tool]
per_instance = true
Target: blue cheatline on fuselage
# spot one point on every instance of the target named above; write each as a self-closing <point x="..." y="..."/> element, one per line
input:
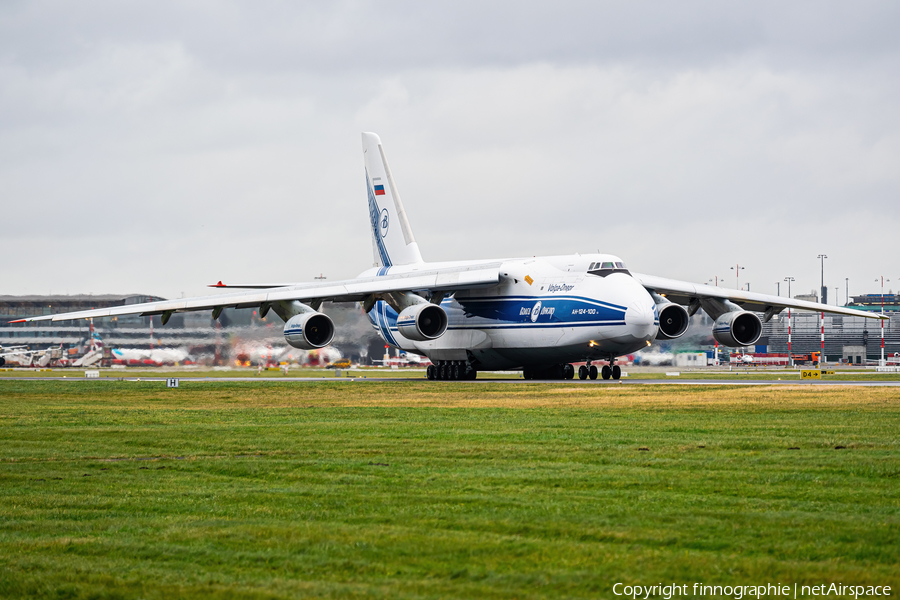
<point x="517" y="312"/>
<point x="512" y="312"/>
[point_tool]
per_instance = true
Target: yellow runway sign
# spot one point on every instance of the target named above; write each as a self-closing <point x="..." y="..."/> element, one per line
<point x="810" y="374"/>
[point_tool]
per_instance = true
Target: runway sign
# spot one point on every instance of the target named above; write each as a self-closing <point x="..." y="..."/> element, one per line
<point x="810" y="374"/>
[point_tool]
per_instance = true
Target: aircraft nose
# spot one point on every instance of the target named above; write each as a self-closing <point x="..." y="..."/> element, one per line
<point x="640" y="320"/>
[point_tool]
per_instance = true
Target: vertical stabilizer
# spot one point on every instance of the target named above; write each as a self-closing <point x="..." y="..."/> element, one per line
<point x="393" y="239"/>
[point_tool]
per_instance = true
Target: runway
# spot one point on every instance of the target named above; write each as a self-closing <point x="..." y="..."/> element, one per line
<point x="348" y="380"/>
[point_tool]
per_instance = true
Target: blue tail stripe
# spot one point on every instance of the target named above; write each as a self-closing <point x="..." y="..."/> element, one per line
<point x="373" y="220"/>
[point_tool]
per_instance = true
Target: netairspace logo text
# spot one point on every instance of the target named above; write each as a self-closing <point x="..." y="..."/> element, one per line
<point x="769" y="590"/>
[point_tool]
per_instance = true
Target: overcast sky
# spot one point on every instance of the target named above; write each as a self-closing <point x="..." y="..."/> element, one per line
<point x="157" y="147"/>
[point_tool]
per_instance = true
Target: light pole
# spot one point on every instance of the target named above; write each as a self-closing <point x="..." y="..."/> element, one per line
<point x="737" y="275"/>
<point x="847" y="292"/>
<point x="882" y="363"/>
<point x="824" y="289"/>
<point x="717" y="278"/>
<point x="778" y="288"/>
<point x="790" y="356"/>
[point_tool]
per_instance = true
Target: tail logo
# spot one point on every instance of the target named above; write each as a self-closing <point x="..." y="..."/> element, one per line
<point x="385" y="222"/>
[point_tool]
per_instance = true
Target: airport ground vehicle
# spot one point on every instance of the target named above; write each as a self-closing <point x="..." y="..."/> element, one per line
<point x="806" y="359"/>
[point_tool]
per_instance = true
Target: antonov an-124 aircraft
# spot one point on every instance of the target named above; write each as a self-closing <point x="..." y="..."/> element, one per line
<point x="538" y="314"/>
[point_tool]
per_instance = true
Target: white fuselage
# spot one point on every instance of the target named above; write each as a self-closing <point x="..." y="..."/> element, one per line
<point x="545" y="310"/>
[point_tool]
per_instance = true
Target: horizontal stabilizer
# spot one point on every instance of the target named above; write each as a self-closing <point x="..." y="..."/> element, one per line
<point x="248" y="286"/>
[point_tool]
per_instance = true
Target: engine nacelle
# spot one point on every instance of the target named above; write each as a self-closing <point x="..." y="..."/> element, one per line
<point x="673" y="321"/>
<point x="422" y="322"/>
<point x="738" y="328"/>
<point x="309" y="330"/>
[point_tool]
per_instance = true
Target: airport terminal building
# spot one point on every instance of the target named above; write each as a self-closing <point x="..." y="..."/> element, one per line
<point x="853" y="339"/>
<point x="196" y="332"/>
<point x="187" y="329"/>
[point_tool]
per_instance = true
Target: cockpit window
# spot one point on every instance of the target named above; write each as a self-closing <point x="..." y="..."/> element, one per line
<point x="602" y="269"/>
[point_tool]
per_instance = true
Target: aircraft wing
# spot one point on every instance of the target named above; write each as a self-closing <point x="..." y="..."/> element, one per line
<point x="17" y="352"/>
<point x="445" y="279"/>
<point x="688" y="294"/>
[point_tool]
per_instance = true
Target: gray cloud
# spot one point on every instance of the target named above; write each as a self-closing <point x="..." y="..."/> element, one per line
<point x="159" y="147"/>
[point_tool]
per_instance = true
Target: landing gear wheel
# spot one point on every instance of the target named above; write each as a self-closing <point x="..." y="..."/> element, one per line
<point x="471" y="374"/>
<point x="527" y="373"/>
<point x="443" y="373"/>
<point x="429" y="373"/>
<point x="568" y="371"/>
<point x="557" y="372"/>
<point x="616" y="372"/>
<point x="582" y="372"/>
<point x="592" y="372"/>
<point x="606" y="372"/>
<point x="455" y="374"/>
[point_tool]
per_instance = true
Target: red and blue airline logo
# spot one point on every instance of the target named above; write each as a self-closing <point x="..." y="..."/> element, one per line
<point x="379" y="189"/>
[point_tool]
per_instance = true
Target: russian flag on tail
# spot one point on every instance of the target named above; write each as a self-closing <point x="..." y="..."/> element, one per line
<point x="379" y="187"/>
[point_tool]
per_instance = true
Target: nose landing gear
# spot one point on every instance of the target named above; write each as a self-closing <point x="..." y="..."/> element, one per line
<point x="587" y="370"/>
<point x="610" y="371"/>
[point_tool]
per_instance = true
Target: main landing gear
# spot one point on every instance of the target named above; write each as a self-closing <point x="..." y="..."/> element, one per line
<point x="561" y="371"/>
<point x="451" y="370"/>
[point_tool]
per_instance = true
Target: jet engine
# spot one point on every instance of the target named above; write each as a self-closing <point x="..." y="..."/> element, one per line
<point x="309" y="330"/>
<point x="737" y="328"/>
<point x="673" y="321"/>
<point x="422" y="322"/>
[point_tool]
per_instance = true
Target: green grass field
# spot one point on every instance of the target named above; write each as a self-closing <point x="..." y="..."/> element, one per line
<point x="441" y="490"/>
